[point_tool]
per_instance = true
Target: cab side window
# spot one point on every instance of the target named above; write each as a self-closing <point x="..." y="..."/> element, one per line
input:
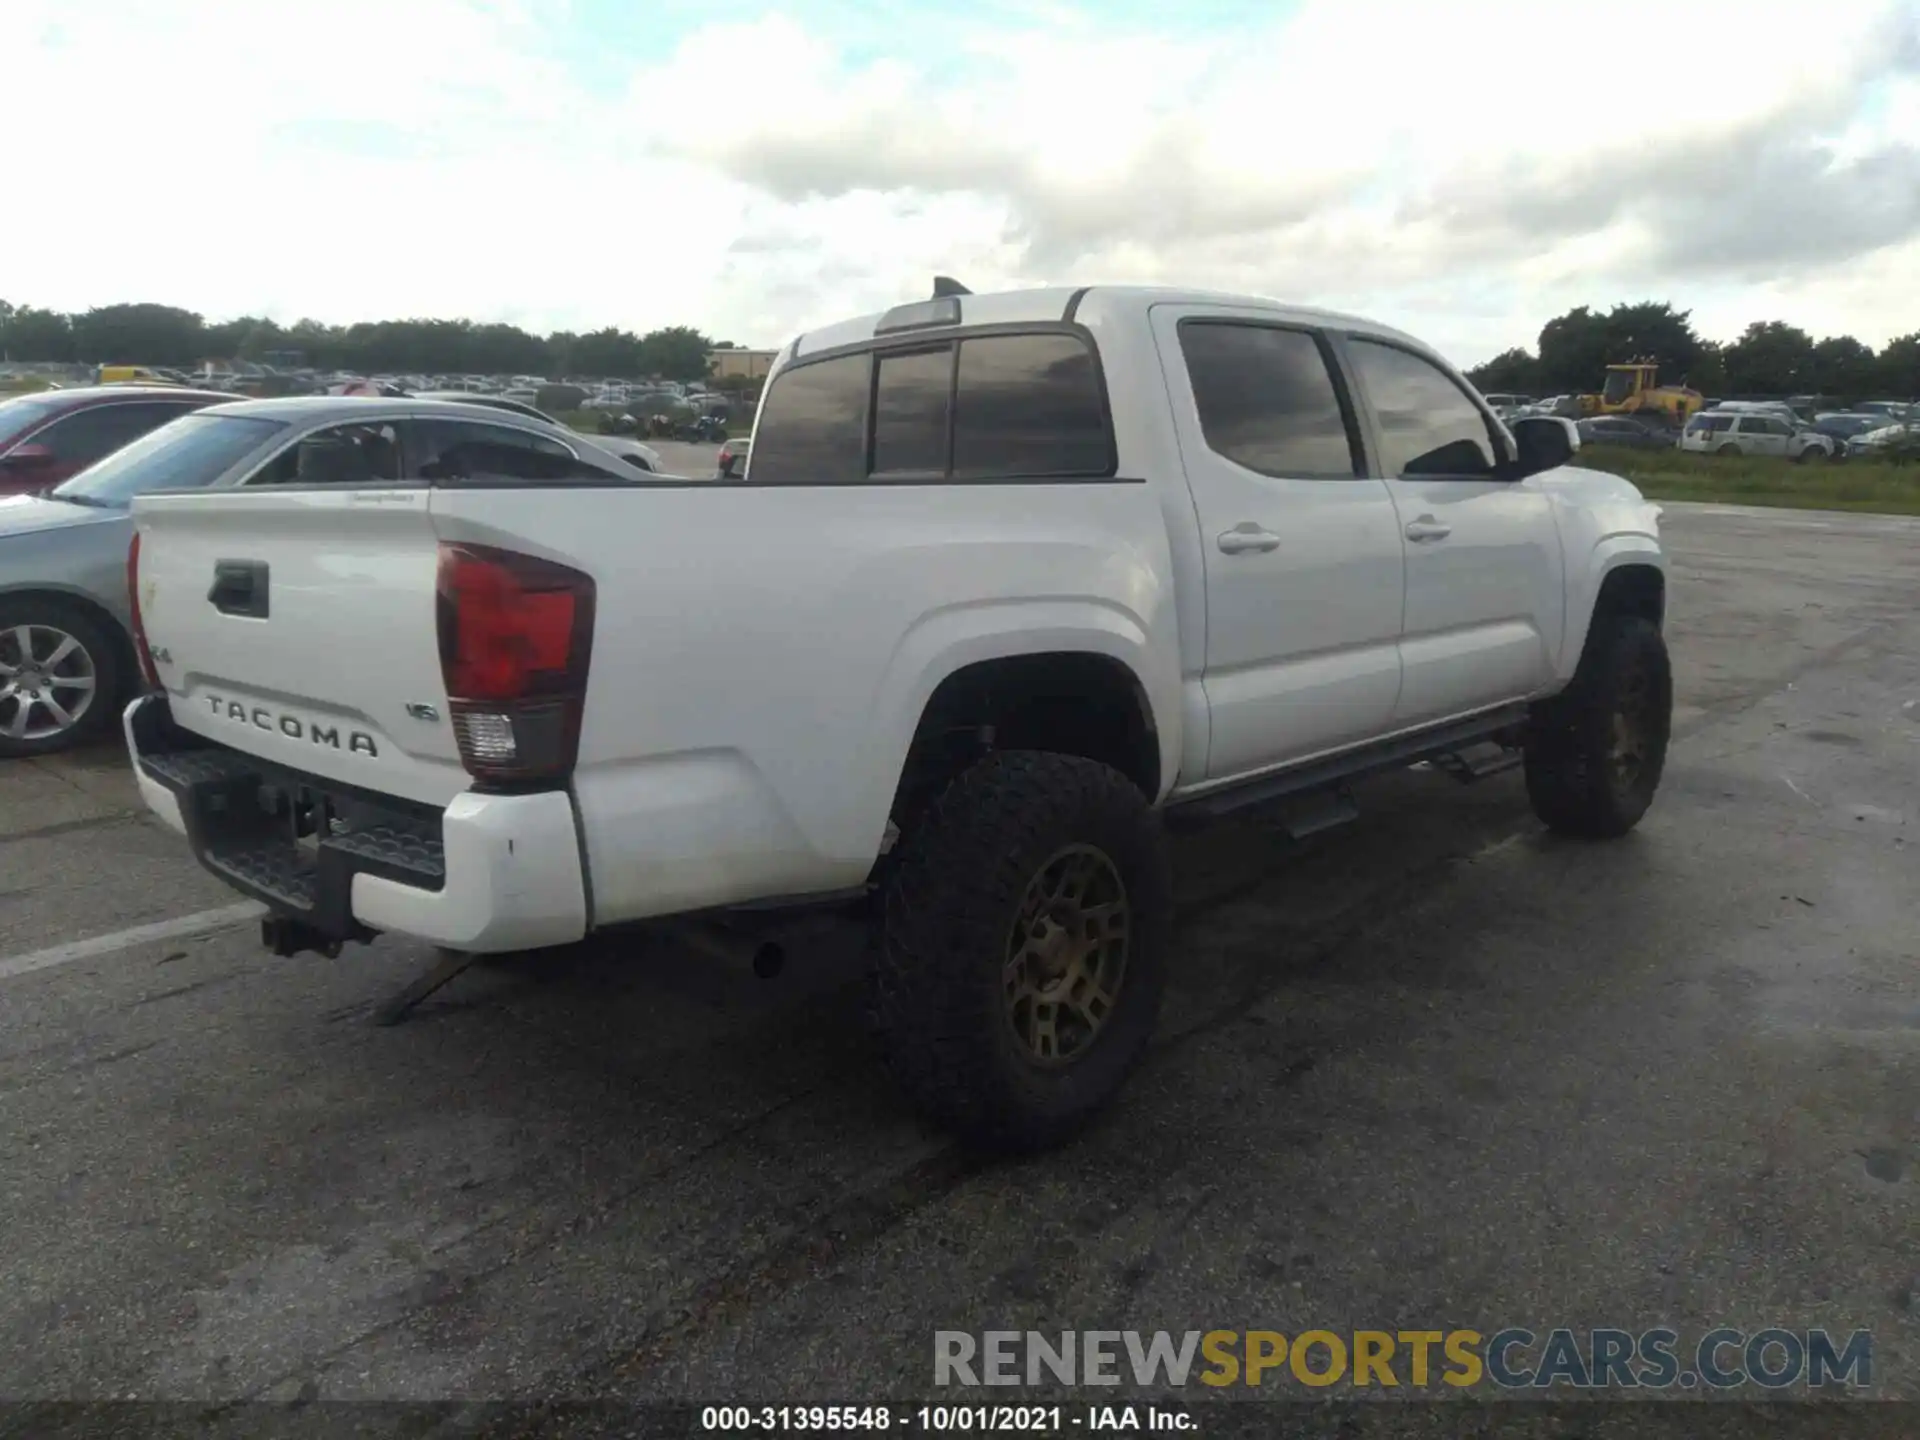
<point x="1267" y="400"/>
<point x="1429" y="426"/>
<point x="354" y="454"/>
<point x="473" y="450"/>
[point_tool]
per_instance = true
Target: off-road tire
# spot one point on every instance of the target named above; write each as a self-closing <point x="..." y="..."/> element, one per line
<point x="947" y="915"/>
<point x="1573" y="743"/>
<point x="1810" y="455"/>
<point x="1729" y="450"/>
<point x="108" y="665"/>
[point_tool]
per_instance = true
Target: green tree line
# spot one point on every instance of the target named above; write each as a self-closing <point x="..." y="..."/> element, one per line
<point x="166" y="335"/>
<point x="1771" y="358"/>
<point x="1571" y="356"/>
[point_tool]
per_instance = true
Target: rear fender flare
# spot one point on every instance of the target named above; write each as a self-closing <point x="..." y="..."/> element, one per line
<point x="946" y="641"/>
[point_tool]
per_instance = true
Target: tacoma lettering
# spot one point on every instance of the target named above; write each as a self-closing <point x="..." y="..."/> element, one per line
<point x="357" y="741"/>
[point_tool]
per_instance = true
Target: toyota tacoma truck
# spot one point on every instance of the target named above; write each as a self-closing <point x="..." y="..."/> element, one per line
<point x="1010" y="584"/>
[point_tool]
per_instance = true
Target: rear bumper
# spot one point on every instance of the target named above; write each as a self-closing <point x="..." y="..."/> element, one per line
<point x="488" y="873"/>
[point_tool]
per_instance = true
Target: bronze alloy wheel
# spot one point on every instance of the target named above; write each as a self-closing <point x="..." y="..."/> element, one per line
<point x="1632" y="727"/>
<point x="1067" y="954"/>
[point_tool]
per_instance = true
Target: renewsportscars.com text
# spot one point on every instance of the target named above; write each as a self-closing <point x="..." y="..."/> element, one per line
<point x="1773" y="1358"/>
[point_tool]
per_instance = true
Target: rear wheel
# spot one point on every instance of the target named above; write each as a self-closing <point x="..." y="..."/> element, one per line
<point x="1728" y="450"/>
<point x="1594" y="754"/>
<point x="1023" y="947"/>
<point x="59" y="677"/>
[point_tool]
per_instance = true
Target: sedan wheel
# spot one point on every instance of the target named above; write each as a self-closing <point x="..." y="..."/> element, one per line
<point x="58" y="679"/>
<point x="47" y="682"/>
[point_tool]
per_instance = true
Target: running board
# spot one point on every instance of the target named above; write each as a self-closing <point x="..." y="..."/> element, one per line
<point x="1394" y="754"/>
<point x="1478" y="762"/>
<point x="1309" y="814"/>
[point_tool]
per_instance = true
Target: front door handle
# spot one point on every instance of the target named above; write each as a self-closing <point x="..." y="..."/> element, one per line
<point x="1247" y="536"/>
<point x="1427" y="528"/>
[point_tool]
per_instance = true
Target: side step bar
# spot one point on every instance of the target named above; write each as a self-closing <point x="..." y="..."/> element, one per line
<point x="1478" y="762"/>
<point x="1442" y="742"/>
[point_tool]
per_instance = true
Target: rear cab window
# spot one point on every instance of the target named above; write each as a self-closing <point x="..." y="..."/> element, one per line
<point x="1023" y="406"/>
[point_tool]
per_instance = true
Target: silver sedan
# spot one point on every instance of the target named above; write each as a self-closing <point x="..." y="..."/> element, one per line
<point x="67" y="661"/>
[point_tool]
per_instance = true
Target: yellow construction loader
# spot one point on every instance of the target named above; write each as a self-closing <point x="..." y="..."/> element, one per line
<point x="1634" y="389"/>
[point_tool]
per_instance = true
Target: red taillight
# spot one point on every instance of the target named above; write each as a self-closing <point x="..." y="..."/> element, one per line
<point x="147" y="672"/>
<point x="515" y="637"/>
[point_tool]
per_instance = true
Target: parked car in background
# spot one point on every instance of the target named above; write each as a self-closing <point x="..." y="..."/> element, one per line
<point x="731" y="462"/>
<point x="641" y="457"/>
<point x="1840" y="426"/>
<point x="1755" y="407"/>
<point x="52" y="435"/>
<point x="1889" y="441"/>
<point x="1751" y="432"/>
<point x="1631" y="434"/>
<point x="66" y="658"/>
<point x="1893" y="409"/>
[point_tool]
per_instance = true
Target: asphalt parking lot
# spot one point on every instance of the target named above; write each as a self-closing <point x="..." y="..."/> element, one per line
<point x="1430" y="1070"/>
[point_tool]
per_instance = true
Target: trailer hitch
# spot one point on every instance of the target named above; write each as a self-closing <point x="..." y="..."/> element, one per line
<point x="286" y="936"/>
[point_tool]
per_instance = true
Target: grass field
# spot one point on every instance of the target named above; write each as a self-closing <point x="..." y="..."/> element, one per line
<point x="1872" y="485"/>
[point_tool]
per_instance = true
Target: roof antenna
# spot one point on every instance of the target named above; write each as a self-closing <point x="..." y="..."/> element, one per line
<point x="945" y="285"/>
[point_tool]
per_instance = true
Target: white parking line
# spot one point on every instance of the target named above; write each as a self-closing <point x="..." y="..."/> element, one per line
<point x="199" y="923"/>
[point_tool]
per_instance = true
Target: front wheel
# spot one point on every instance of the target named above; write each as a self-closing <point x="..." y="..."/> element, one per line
<point x="1023" y="946"/>
<point x="1812" y="455"/>
<point x="1595" y="752"/>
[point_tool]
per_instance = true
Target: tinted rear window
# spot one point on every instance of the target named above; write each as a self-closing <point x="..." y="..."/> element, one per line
<point x="812" y="426"/>
<point x="1022" y="407"/>
<point x="1710" y="422"/>
<point x="1029" y="405"/>
<point x="910" y="395"/>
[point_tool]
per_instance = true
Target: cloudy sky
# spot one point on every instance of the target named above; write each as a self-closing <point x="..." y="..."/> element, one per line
<point x="1465" y="170"/>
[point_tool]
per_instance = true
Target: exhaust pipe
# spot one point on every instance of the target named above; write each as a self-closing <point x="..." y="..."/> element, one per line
<point x="765" y="958"/>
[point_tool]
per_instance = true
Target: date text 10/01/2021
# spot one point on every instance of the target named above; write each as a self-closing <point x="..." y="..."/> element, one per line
<point x="1001" y="1419"/>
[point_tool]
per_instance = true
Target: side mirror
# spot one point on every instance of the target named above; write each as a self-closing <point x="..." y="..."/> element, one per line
<point x="1545" y="442"/>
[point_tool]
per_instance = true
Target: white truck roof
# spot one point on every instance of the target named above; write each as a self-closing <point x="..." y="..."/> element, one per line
<point x="1090" y="303"/>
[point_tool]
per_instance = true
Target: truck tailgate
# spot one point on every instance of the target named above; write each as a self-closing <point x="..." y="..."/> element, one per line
<point x="299" y="627"/>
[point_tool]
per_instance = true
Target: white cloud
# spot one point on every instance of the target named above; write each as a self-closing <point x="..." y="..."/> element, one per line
<point x="1465" y="170"/>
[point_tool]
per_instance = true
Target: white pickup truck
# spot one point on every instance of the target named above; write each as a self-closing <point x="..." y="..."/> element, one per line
<point x="1009" y="580"/>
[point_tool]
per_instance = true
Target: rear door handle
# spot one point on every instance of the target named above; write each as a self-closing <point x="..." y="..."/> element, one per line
<point x="240" y="588"/>
<point x="1427" y="528"/>
<point x="1247" y="536"/>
